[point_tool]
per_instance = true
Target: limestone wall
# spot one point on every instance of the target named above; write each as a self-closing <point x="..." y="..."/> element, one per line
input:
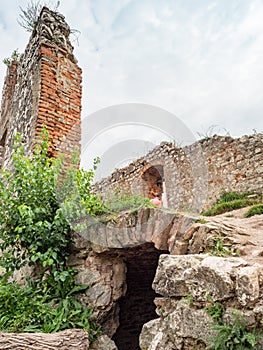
<point x="119" y="263"/>
<point x="43" y="88"/>
<point x="194" y="176"/>
<point x="193" y="289"/>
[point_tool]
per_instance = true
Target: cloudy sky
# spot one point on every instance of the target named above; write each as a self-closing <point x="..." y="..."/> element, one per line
<point x="201" y="60"/>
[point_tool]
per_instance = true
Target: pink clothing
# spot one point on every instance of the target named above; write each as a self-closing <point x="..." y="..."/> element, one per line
<point x="156" y="201"/>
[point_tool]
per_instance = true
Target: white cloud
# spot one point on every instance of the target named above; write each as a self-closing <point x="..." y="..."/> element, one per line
<point x="200" y="59"/>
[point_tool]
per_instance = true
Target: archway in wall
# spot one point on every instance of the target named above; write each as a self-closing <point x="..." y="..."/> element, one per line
<point x="137" y="306"/>
<point x="153" y="178"/>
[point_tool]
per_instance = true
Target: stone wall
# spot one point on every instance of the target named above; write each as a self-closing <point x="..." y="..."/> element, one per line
<point x="43" y="88"/>
<point x="194" y="288"/>
<point x="194" y="176"/>
<point x="6" y="106"/>
<point x="118" y="262"/>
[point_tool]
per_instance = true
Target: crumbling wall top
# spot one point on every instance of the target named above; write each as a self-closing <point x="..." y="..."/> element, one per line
<point x="51" y="27"/>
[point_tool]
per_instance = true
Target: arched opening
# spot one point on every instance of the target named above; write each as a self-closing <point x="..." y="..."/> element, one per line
<point x="137" y="306"/>
<point x="153" y="178"/>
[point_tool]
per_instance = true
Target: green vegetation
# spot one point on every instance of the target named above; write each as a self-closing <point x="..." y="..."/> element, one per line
<point x="32" y="309"/>
<point x="126" y="202"/>
<point x="188" y="299"/>
<point x="255" y="210"/>
<point x="220" y="248"/>
<point x="234" y="336"/>
<point x="82" y="207"/>
<point x="14" y="58"/>
<point x="231" y="201"/>
<point x="231" y="196"/>
<point x="40" y="203"/>
<point x="201" y="221"/>
<point x="34" y="231"/>
<point x="216" y="310"/>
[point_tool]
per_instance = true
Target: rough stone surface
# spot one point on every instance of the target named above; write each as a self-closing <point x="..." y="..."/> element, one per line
<point x="113" y="274"/>
<point x="44" y="87"/>
<point x="196" y="175"/>
<point x="196" y="275"/>
<point x="176" y="329"/>
<point x="190" y="284"/>
<point x="103" y="343"/>
<point x="119" y="288"/>
<point x="169" y="279"/>
<point x="248" y="287"/>
<point x="106" y="280"/>
<point x="150" y="225"/>
<point x="236" y="282"/>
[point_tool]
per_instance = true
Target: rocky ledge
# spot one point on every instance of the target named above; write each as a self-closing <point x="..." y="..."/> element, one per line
<point x="207" y="261"/>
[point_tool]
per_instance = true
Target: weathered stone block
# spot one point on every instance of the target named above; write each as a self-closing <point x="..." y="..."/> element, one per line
<point x="87" y="276"/>
<point x="197" y="275"/>
<point x="172" y="331"/>
<point x="99" y="295"/>
<point x="213" y="276"/>
<point x="247" y="285"/>
<point x="103" y="343"/>
<point x="153" y="336"/>
<point x="170" y="275"/>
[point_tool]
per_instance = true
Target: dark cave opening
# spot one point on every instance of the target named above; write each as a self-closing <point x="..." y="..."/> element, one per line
<point x="137" y="306"/>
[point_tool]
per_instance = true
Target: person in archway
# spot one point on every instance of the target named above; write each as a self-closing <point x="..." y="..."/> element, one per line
<point x="157" y="200"/>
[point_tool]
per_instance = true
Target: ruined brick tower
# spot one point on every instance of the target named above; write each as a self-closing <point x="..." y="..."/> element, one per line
<point x="43" y="88"/>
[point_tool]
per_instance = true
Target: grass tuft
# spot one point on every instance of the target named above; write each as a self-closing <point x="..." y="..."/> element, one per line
<point x="255" y="210"/>
<point x="232" y="201"/>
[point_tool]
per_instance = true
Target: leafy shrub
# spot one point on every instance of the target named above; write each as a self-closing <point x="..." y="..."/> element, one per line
<point x="231" y="196"/>
<point x="38" y="200"/>
<point x="35" y="231"/>
<point x="18" y="305"/>
<point x="221" y="208"/>
<point x="255" y="210"/>
<point x="234" y="337"/>
<point x="32" y="309"/>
